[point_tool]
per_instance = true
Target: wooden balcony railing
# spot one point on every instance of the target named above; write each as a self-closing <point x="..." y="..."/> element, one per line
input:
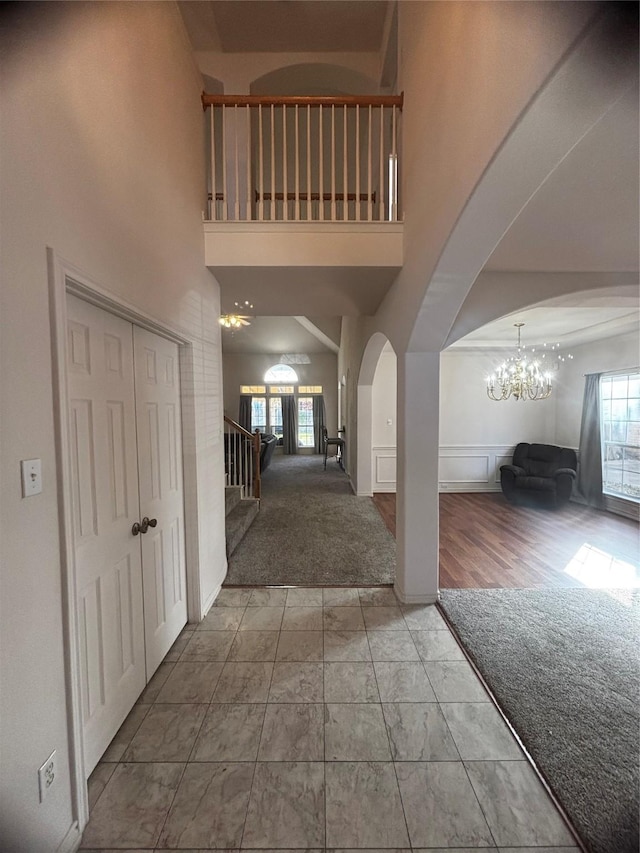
<point x="242" y="458"/>
<point x="298" y="159"/>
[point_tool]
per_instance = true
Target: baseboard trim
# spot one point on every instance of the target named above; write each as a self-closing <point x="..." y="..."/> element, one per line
<point x="415" y="599"/>
<point x="71" y="841"/>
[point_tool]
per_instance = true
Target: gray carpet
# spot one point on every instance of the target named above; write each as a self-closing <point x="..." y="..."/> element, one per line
<point x="312" y="530"/>
<point x="563" y="665"/>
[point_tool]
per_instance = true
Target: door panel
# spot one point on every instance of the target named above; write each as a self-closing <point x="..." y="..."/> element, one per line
<point x="105" y="506"/>
<point x="161" y="497"/>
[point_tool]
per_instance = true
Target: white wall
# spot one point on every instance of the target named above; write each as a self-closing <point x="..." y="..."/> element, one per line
<point x="244" y="369"/>
<point x="597" y="357"/>
<point x="101" y="152"/>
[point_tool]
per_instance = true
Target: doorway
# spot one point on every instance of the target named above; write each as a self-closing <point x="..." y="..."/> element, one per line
<point x="127" y="511"/>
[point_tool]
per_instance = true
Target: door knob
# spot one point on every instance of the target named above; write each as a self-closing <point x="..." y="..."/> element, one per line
<point x="144" y="525"/>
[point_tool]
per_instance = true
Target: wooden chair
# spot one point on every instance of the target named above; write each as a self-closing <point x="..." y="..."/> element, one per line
<point x="336" y="442"/>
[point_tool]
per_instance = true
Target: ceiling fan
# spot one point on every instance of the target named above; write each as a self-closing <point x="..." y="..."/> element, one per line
<point x="236" y="320"/>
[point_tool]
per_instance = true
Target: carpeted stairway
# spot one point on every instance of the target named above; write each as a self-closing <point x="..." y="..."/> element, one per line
<point x="312" y="530"/>
<point x="239" y="516"/>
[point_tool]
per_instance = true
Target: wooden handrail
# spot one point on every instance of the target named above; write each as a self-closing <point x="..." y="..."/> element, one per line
<point x="295" y="100"/>
<point x="238" y="428"/>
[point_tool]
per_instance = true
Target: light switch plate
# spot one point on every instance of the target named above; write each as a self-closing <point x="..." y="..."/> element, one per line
<point x="31" y="477"/>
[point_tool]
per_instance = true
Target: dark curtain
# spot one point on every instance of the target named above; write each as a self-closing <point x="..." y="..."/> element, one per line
<point x="289" y="425"/>
<point x="318" y="423"/>
<point x="244" y="413"/>
<point x="590" y="465"/>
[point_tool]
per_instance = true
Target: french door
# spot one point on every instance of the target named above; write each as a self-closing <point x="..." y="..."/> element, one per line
<point x="126" y="461"/>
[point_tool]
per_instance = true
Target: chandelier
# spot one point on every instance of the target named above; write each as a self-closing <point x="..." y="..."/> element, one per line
<point x="522" y="377"/>
<point x="236" y="320"/>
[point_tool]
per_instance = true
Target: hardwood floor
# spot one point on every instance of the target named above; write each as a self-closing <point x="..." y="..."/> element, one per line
<point x="487" y="543"/>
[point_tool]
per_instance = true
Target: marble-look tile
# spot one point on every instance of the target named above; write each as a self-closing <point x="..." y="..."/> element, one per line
<point x="403" y="681"/>
<point x="229" y="733"/>
<point x="209" y="807"/>
<point x="133" y="806"/>
<point x="383" y="618"/>
<point x="418" y="732"/>
<point x="343" y="619"/>
<point x="287" y="806"/>
<point x="437" y="645"/>
<point x="125" y="733"/>
<point x="440" y="805"/>
<point x="222" y="619"/>
<point x="208" y="646"/>
<point x="229" y="597"/>
<point x="378" y="850"/>
<point x="153" y="688"/>
<point x="304" y="597"/>
<point x="296" y="682"/>
<point x="167" y="733"/>
<point x="302" y="619"/>
<point x="355" y="732"/>
<point x="533" y="850"/>
<point x="423" y="617"/>
<point x="293" y="733"/>
<point x="262" y="618"/>
<point x="97" y="782"/>
<point x="268" y="597"/>
<point x="516" y="806"/>
<point x="480" y="732"/>
<point x="363" y="806"/>
<point x="346" y="646"/>
<point x="372" y="596"/>
<point x="455" y="681"/>
<point x="340" y="597"/>
<point x="300" y="646"/>
<point x="350" y="682"/>
<point x="178" y="647"/>
<point x="392" y="646"/>
<point x="244" y="682"/>
<point x="191" y="682"/>
<point x="254" y="646"/>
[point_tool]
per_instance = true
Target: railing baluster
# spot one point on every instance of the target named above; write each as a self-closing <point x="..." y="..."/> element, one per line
<point x="369" y="136"/>
<point x="321" y="165"/>
<point x="358" y="209"/>
<point x="381" y="179"/>
<point x="261" y="165"/>
<point x="285" y="202"/>
<point x="214" y="212"/>
<point x="309" y="207"/>
<point x="236" y="206"/>
<point x="224" y="164"/>
<point x="248" y="115"/>
<point x="333" y="163"/>
<point x="296" y="211"/>
<point x="345" y="181"/>
<point x="273" y="163"/>
<point x="394" y="169"/>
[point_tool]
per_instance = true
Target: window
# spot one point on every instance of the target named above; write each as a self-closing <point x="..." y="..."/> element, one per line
<point x="620" y="433"/>
<point x="281" y="373"/>
<point x="253" y="389"/>
<point x="309" y="389"/>
<point x="275" y="416"/>
<point x="259" y="414"/>
<point x="305" y="422"/>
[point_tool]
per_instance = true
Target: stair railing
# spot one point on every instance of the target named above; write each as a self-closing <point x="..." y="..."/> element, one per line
<point x="242" y="458"/>
<point x="303" y="159"/>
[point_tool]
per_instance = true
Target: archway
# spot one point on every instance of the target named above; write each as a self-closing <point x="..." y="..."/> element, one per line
<point x="373" y="412"/>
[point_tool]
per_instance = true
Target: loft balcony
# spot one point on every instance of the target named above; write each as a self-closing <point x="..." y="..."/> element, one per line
<point x="303" y="203"/>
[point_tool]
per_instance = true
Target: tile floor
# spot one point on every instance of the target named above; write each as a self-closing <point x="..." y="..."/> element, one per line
<point x="318" y="719"/>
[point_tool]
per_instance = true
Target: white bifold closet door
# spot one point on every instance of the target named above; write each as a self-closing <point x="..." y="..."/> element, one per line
<point x="126" y="461"/>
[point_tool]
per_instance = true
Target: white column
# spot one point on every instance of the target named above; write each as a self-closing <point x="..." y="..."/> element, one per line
<point x="417" y="477"/>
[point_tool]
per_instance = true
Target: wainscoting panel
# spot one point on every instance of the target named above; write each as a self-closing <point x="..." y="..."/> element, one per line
<point x="472" y="468"/>
<point x="384" y="469"/>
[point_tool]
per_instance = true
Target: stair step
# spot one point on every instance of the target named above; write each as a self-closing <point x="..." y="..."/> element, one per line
<point x="232" y="497"/>
<point x="239" y="521"/>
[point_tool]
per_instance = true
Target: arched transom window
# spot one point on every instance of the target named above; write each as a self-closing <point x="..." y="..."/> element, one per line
<point x="281" y="374"/>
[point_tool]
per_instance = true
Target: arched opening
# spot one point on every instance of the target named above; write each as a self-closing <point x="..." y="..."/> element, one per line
<point x="376" y="402"/>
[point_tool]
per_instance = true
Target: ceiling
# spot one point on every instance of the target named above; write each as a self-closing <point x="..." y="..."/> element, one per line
<point x="275" y="335"/>
<point x="280" y="26"/>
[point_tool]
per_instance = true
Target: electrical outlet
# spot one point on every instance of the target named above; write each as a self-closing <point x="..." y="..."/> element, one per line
<point x="47" y="775"/>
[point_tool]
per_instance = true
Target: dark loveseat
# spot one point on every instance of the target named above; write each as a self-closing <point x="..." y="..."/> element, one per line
<point x="540" y="474"/>
<point x="268" y="444"/>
